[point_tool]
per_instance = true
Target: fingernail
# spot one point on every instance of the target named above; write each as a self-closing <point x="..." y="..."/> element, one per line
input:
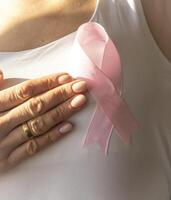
<point x="79" y="86"/>
<point x="66" y="128"/>
<point x="78" y="101"/>
<point x="64" y="79"/>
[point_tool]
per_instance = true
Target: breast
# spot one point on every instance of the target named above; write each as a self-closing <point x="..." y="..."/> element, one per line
<point x="68" y="171"/>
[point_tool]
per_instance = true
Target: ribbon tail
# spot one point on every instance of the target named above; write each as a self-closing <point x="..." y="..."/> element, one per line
<point x="121" y="117"/>
<point x="99" y="131"/>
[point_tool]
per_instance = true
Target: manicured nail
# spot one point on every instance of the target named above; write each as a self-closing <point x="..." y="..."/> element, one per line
<point x="78" y="101"/>
<point x="66" y="128"/>
<point x="64" y="79"/>
<point x="79" y="86"/>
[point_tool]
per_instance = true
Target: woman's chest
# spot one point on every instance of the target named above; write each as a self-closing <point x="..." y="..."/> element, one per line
<point x="38" y="23"/>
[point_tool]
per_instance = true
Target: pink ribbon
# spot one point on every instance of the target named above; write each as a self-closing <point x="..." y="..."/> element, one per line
<point x="96" y="60"/>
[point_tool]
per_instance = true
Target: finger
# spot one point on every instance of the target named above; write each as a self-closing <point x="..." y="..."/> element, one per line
<point x="42" y="103"/>
<point x="42" y="124"/>
<point x="1" y="77"/>
<point x="33" y="146"/>
<point x="16" y="95"/>
<point x="3" y="166"/>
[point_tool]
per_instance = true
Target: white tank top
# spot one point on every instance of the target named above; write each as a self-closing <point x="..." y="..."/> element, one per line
<point x="66" y="171"/>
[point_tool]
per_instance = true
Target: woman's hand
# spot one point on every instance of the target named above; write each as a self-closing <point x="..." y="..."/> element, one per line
<point x="32" y="115"/>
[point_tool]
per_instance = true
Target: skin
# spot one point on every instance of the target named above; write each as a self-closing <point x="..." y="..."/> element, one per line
<point x="43" y="103"/>
<point x="19" y="33"/>
<point x="21" y="22"/>
<point x="30" y="24"/>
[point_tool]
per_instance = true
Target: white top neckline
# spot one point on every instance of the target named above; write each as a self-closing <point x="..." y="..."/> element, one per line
<point x="93" y="18"/>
